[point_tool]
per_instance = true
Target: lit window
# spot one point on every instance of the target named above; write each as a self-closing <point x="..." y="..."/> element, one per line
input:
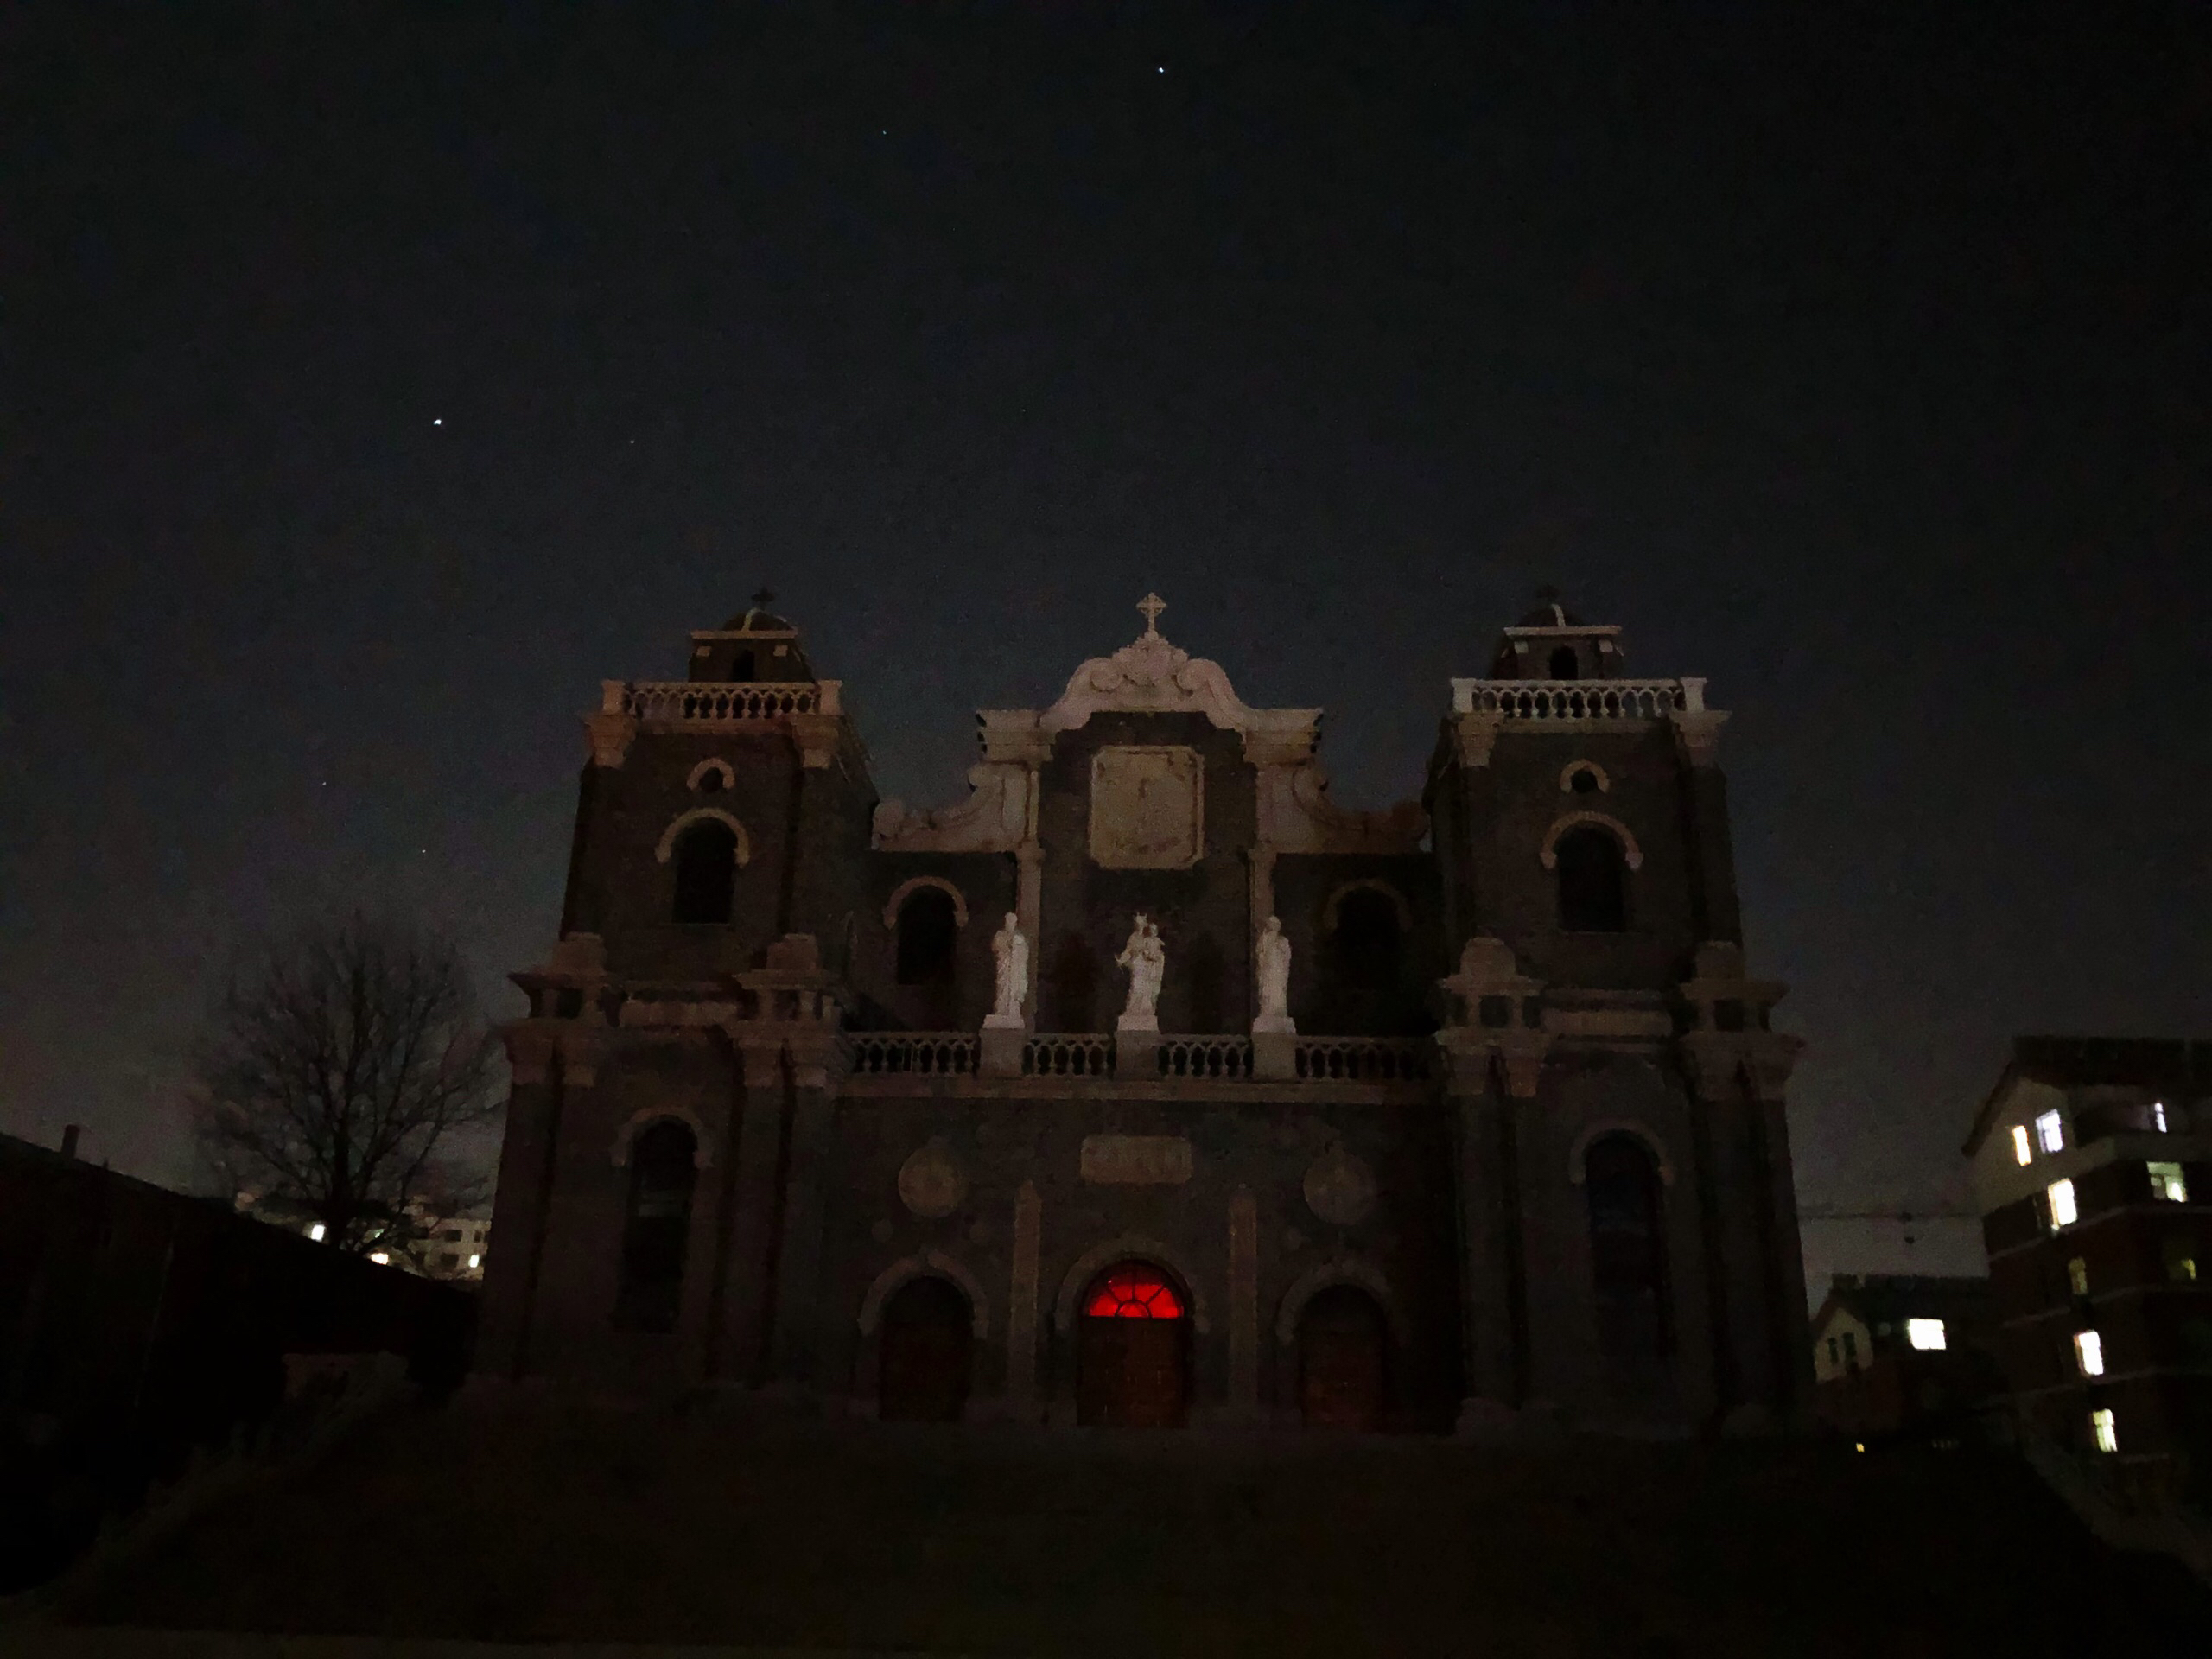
<point x="2101" y="1425"/>
<point x="2077" y="1276"/>
<point x="2063" y="1212"/>
<point x="2158" y="1116"/>
<point x="2020" y="1148"/>
<point x="2166" y="1182"/>
<point x="1924" y="1333"/>
<point x="381" y="1258"/>
<point x="2050" y="1133"/>
<point x="2089" y="1352"/>
<point x="317" y="1232"/>
<point x="476" y="1262"/>
<point x="2181" y="1261"/>
<point x="1133" y="1293"/>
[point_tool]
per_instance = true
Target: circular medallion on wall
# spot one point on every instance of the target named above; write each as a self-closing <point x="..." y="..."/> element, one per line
<point x="931" y="1182"/>
<point x="1340" y="1188"/>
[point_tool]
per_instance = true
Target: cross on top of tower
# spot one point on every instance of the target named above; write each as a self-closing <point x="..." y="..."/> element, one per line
<point x="1152" y="605"/>
<point x="763" y="599"/>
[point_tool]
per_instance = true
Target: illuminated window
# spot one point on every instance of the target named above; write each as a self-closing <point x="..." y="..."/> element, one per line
<point x="2181" y="1261"/>
<point x="1133" y="1292"/>
<point x="2101" y="1425"/>
<point x="2166" y="1182"/>
<point x="2060" y="1195"/>
<point x="2050" y="1133"/>
<point x="474" y="1262"/>
<point x="318" y="1232"/>
<point x="383" y="1259"/>
<point x="2077" y="1276"/>
<point x="2089" y="1352"/>
<point x="1924" y="1333"/>
<point x="2158" y="1116"/>
<point x="2021" y="1151"/>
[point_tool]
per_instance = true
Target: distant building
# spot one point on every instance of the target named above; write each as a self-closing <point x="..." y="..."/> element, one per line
<point x="437" y="1244"/>
<point x="1898" y="1357"/>
<point x="2092" y="1169"/>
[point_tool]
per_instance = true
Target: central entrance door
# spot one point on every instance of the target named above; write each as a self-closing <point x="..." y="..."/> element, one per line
<point x="1133" y="1351"/>
<point x="928" y="1350"/>
<point x="1340" y="1350"/>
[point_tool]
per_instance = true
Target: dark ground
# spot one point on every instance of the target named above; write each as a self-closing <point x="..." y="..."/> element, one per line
<point x="540" y="1522"/>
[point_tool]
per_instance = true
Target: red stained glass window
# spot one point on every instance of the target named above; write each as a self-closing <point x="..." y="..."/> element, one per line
<point x="1133" y="1292"/>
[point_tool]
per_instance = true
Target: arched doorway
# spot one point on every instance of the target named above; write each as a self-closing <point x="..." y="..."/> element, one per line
<point x="1132" y="1350"/>
<point x="927" y="1351"/>
<point x="1342" y="1346"/>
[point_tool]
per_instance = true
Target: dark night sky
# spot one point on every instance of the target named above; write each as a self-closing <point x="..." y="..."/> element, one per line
<point x="375" y="380"/>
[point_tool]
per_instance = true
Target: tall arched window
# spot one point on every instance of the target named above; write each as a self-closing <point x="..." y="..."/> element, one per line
<point x="928" y="926"/>
<point x="1564" y="665"/>
<point x="658" y="1225"/>
<point x="1628" y="1253"/>
<point x="1367" y="941"/>
<point x="1593" y="882"/>
<point x="705" y="872"/>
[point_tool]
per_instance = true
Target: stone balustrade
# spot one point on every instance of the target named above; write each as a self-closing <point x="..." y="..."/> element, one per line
<point x="1364" y="1059"/>
<point x="1205" y="1057"/>
<point x="713" y="703"/>
<point x="1548" y="700"/>
<point x="918" y="1054"/>
<point x="1075" y="1055"/>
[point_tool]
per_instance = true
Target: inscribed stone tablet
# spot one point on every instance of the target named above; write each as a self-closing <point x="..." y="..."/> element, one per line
<point x="1148" y="807"/>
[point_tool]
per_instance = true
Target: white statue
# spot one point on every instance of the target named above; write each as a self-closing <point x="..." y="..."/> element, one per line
<point x="1146" y="958"/>
<point x="1273" y="955"/>
<point x="1011" y="951"/>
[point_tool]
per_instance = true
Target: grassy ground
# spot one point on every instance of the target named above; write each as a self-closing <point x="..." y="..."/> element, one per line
<point x="541" y="1521"/>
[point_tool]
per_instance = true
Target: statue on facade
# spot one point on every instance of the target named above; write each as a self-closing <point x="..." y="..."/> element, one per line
<point x="1010" y="951"/>
<point x="1146" y="958"/>
<point x="1273" y="961"/>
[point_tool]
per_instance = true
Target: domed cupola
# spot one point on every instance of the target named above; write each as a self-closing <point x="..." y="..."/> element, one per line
<point x="755" y="645"/>
<point x="1552" y="643"/>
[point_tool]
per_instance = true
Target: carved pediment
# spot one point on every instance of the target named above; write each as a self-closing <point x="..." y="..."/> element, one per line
<point x="991" y="820"/>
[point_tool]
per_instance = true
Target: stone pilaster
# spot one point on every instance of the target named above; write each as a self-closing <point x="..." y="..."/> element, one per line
<point x="1244" y="1305"/>
<point x="1021" y="1308"/>
<point x="527" y="1167"/>
<point x="794" y="1337"/>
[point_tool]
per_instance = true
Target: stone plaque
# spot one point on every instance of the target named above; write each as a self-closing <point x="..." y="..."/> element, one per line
<point x="1136" y="1159"/>
<point x="1340" y="1188"/>
<point x="1148" y="807"/>
<point x="931" y="1183"/>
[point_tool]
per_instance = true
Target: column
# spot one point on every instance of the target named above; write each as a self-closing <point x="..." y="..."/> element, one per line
<point x="747" y="1306"/>
<point x="526" y="1165"/>
<point x="1021" y="1308"/>
<point x="1244" y="1305"/>
<point x="793" y="1334"/>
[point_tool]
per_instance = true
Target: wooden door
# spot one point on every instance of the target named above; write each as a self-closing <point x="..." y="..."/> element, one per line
<point x="928" y="1350"/>
<point x="1340" y="1360"/>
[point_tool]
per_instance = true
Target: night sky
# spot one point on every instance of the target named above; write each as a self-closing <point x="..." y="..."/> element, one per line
<point x="373" y="380"/>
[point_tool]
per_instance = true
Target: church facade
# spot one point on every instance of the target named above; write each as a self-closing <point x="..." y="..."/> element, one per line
<point x="1147" y="1086"/>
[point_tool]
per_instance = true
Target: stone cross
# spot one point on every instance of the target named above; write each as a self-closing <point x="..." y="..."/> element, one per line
<point x="1152" y="605"/>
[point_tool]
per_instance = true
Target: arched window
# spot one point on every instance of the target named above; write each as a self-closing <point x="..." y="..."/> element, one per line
<point x="1564" y="665"/>
<point x="658" y="1225"/>
<point x="1627" y="1255"/>
<point x="1593" y="882"/>
<point x="1367" y="941"/>
<point x="705" y="872"/>
<point x="1132" y="1291"/>
<point x="928" y="926"/>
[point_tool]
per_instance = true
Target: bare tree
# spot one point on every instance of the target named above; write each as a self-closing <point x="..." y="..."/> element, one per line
<point x="336" y="1067"/>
